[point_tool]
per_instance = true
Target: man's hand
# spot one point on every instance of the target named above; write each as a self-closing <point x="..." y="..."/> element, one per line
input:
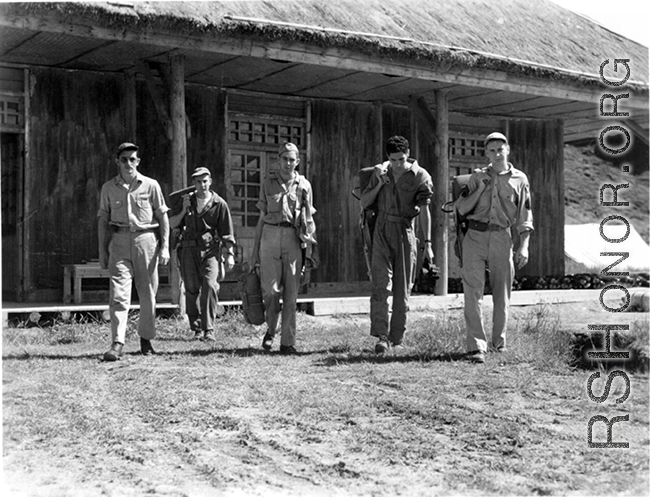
<point x="164" y="256"/>
<point x="521" y="257"/>
<point x="229" y="262"/>
<point x="382" y="175"/>
<point x="187" y="202"/>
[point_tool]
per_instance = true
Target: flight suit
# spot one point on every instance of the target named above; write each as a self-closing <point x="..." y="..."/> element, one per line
<point x="394" y="248"/>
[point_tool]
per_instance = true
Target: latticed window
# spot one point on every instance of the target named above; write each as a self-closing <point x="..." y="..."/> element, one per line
<point x="253" y="146"/>
<point x="259" y="131"/>
<point x="12" y="112"/>
<point x="466" y="153"/>
<point x="245" y="180"/>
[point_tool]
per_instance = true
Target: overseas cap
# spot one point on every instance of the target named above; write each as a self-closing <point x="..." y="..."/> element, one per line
<point x="126" y="146"/>
<point x="495" y="136"/>
<point x="200" y="171"/>
<point x="287" y="147"/>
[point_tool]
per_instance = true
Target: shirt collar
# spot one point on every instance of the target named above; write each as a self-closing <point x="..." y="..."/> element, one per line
<point x="507" y="171"/>
<point x="120" y="181"/>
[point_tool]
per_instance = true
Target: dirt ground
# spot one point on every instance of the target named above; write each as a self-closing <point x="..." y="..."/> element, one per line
<point x="343" y="424"/>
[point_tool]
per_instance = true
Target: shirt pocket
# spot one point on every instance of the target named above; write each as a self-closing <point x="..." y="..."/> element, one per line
<point x="275" y="202"/>
<point x="144" y="210"/>
<point x="508" y="193"/>
<point x="117" y="205"/>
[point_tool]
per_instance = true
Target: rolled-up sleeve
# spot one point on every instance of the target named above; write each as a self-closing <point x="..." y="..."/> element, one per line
<point x="261" y="203"/>
<point x="424" y="194"/>
<point x="524" y="211"/>
<point x="158" y="200"/>
<point x="104" y="211"/>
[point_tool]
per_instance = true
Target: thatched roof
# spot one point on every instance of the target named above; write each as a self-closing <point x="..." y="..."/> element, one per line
<point x="531" y="37"/>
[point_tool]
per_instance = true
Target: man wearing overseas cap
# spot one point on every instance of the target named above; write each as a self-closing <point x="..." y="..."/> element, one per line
<point x="205" y="252"/>
<point x="133" y="236"/>
<point x="496" y="201"/>
<point x="285" y="206"/>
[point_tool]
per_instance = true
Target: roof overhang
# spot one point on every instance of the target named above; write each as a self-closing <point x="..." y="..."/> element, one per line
<point x="521" y="90"/>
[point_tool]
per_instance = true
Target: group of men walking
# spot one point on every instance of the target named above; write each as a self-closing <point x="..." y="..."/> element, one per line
<point x="134" y="224"/>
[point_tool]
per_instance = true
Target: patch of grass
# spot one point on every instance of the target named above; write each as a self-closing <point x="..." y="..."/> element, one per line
<point x="226" y="417"/>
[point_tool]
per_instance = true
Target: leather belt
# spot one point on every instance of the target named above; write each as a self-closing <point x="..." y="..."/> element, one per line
<point x="189" y="243"/>
<point x="121" y="229"/>
<point x="480" y="226"/>
<point x="283" y="224"/>
<point x="394" y="219"/>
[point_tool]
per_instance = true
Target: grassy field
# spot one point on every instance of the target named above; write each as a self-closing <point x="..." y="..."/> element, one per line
<point x="226" y="418"/>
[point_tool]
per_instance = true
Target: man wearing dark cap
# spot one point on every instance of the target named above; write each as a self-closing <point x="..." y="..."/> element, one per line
<point x="496" y="201"/>
<point x="285" y="206"/>
<point x="205" y="252"/>
<point x="133" y="237"/>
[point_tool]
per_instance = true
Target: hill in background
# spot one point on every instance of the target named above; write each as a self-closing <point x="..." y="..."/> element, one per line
<point x="584" y="174"/>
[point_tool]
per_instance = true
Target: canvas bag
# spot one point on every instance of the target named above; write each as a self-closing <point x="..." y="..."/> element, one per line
<point x="458" y="186"/>
<point x="250" y="290"/>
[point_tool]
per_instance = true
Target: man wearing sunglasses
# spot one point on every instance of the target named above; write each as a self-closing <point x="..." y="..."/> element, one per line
<point x="133" y="237"/>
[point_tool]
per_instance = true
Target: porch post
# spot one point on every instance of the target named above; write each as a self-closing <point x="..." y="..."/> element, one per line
<point x="440" y="219"/>
<point x="178" y="157"/>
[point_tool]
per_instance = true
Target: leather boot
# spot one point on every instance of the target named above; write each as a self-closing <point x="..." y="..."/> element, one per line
<point x="145" y="347"/>
<point x="114" y="353"/>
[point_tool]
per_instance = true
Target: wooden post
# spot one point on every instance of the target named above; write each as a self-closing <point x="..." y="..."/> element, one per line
<point x="440" y="219"/>
<point x="179" y="155"/>
<point x="437" y="127"/>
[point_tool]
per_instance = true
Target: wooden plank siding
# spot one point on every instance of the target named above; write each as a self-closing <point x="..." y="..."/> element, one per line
<point x="343" y="141"/>
<point x="76" y="119"/>
<point x="206" y="111"/>
<point x="537" y="149"/>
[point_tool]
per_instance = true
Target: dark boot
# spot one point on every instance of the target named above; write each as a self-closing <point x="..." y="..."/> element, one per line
<point x="267" y="341"/>
<point x="145" y="347"/>
<point x="114" y="353"/>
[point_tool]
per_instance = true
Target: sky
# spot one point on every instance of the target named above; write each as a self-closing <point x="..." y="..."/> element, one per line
<point x="630" y="19"/>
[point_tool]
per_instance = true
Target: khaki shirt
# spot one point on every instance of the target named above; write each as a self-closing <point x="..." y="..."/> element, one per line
<point x="282" y="204"/>
<point x="505" y="201"/>
<point x="132" y="206"/>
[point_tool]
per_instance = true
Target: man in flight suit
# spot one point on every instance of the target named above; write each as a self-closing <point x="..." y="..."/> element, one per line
<point x="402" y="190"/>
<point x="497" y="200"/>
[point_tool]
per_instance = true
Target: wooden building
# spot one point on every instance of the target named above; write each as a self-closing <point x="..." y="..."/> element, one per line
<point x="221" y="84"/>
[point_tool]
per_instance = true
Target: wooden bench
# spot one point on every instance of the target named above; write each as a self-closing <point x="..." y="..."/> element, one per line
<point x="74" y="274"/>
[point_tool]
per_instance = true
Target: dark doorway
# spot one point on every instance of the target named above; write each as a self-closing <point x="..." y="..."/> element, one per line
<point x="11" y="159"/>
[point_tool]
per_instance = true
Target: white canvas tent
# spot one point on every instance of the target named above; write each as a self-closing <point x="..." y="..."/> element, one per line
<point x="583" y="243"/>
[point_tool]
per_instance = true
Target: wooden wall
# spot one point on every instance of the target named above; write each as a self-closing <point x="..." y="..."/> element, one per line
<point x="77" y="120"/>
<point x="206" y="142"/>
<point x="345" y="138"/>
<point x="537" y="149"/>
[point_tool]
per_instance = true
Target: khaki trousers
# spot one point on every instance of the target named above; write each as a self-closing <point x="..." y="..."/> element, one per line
<point x="133" y="257"/>
<point x="492" y="249"/>
<point x="280" y="267"/>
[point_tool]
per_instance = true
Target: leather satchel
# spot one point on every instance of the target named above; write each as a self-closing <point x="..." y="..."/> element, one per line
<point x="251" y="295"/>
